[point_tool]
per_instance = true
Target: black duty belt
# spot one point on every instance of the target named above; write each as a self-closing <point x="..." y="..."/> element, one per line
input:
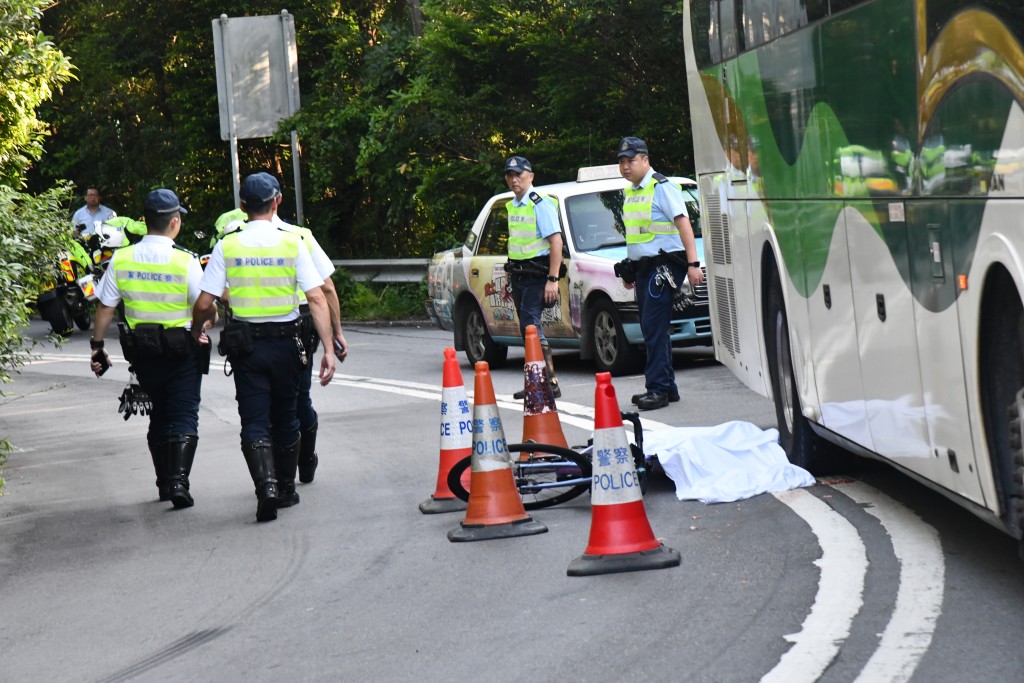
<point x="534" y="267"/>
<point x="274" y="330"/>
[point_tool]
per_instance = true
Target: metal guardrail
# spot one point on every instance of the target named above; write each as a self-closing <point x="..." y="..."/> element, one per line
<point x="385" y="270"/>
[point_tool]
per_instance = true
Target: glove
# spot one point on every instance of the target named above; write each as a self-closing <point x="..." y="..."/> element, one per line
<point x="134" y="400"/>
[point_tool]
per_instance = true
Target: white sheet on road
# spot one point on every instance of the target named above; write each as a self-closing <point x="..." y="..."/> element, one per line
<point x="730" y="461"/>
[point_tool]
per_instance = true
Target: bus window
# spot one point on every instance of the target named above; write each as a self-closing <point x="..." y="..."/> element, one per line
<point x="723" y="30"/>
<point x="700" y="24"/>
<point x="758" y="24"/>
<point x="793" y="14"/>
<point x="814" y="10"/>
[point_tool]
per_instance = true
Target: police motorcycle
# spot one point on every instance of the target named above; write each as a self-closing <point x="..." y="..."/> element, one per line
<point x="66" y="297"/>
<point x="110" y="236"/>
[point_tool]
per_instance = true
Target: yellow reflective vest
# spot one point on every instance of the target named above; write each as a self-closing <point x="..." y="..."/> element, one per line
<point x="523" y="242"/>
<point x="636" y="214"/>
<point x="154" y="292"/>
<point x="262" y="279"/>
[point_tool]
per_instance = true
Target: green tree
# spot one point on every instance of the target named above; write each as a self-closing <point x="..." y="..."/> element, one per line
<point x="32" y="229"/>
<point x="407" y="107"/>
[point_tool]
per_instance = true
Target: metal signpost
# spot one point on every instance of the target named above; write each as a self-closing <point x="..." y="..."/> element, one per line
<point x="257" y="84"/>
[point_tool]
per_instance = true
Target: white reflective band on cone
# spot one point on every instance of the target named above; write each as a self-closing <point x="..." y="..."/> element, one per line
<point x="456" y="422"/>
<point x="489" y="452"/>
<point x="614" y="478"/>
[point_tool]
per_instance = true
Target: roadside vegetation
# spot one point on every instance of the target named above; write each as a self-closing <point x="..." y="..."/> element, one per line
<point x="408" y="109"/>
<point x="32" y="227"/>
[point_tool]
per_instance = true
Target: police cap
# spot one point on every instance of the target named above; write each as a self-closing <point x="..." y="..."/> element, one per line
<point x="518" y="165"/>
<point x="163" y="201"/>
<point x="257" y="189"/>
<point x="630" y="147"/>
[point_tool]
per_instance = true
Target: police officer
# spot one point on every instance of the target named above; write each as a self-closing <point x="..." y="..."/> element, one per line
<point x="308" y="419"/>
<point x="263" y="266"/>
<point x="159" y="282"/>
<point x="535" y="255"/>
<point x="660" y="242"/>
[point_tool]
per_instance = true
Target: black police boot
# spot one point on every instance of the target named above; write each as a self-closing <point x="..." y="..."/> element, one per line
<point x="308" y="459"/>
<point x="259" y="456"/>
<point x="181" y="451"/>
<point x="286" y="459"/>
<point x="158" y="451"/>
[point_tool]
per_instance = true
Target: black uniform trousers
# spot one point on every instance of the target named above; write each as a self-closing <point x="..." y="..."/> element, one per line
<point x="267" y="389"/>
<point x="173" y="385"/>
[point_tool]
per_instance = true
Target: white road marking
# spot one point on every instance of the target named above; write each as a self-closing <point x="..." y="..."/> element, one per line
<point x="922" y="584"/>
<point x="843" y="562"/>
<point x="843" y="565"/>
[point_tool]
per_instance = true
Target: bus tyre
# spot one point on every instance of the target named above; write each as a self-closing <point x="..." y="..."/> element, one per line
<point x="612" y="351"/>
<point x="477" y="340"/>
<point x="1001" y="375"/>
<point x="796" y="437"/>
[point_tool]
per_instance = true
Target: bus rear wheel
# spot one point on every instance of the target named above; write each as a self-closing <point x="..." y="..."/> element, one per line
<point x="796" y="437"/>
<point x="1001" y="375"/>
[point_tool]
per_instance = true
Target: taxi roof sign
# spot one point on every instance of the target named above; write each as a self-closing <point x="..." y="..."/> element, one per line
<point x="588" y="173"/>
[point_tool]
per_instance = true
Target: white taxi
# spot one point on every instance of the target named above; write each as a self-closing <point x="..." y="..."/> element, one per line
<point x="595" y="313"/>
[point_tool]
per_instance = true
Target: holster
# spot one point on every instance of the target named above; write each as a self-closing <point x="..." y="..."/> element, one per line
<point x="177" y="342"/>
<point x="308" y="334"/>
<point x="203" y="359"/>
<point x="148" y="340"/>
<point x="127" y="343"/>
<point x="236" y="339"/>
<point x="626" y="270"/>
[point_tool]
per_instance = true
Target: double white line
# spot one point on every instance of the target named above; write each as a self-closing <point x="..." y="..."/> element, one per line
<point x="843" y="565"/>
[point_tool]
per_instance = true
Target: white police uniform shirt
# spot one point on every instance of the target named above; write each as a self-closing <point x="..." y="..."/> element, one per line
<point x="668" y="203"/>
<point x="321" y="260"/>
<point x="260" y="233"/>
<point x="155" y="249"/>
<point x="88" y="218"/>
<point x="547" y="216"/>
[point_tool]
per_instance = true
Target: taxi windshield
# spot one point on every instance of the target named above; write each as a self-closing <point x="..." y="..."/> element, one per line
<point x="595" y="220"/>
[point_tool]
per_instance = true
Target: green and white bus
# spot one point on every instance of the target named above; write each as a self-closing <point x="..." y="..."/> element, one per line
<point x="861" y="166"/>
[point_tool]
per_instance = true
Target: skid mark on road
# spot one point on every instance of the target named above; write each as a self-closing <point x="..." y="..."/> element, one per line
<point x="843" y="565"/>
<point x="922" y="585"/>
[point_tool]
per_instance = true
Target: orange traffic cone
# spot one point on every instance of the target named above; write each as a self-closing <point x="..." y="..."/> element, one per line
<point x="621" y="539"/>
<point x="540" y="417"/>
<point x="456" y="436"/>
<point x="495" y="509"/>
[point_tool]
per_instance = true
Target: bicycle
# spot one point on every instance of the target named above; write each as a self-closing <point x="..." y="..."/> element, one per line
<point x="551" y="475"/>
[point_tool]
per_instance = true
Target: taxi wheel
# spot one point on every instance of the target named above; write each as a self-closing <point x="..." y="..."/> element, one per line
<point x="478" y="343"/>
<point x="612" y="351"/>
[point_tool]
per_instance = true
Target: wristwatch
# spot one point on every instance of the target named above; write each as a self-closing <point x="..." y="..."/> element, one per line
<point x="552" y="278"/>
<point x="693" y="264"/>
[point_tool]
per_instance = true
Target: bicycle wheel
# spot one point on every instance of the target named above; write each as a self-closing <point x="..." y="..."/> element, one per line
<point x="552" y="475"/>
<point x="455" y="475"/>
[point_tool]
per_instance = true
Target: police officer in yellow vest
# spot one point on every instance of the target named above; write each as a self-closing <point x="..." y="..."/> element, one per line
<point x="159" y="282"/>
<point x="264" y="266"/>
<point x="535" y="255"/>
<point x="660" y="242"/>
<point x="308" y="419"/>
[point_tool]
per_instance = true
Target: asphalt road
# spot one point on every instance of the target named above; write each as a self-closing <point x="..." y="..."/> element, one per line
<point x="865" y="577"/>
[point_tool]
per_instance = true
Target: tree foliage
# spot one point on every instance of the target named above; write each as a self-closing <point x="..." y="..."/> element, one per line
<point x="408" y="108"/>
<point x="31" y="68"/>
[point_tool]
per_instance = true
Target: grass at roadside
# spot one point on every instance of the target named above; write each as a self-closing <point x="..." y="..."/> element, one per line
<point x="362" y="301"/>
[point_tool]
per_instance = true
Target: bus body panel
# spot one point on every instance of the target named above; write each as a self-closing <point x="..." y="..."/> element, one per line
<point x="879" y="155"/>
